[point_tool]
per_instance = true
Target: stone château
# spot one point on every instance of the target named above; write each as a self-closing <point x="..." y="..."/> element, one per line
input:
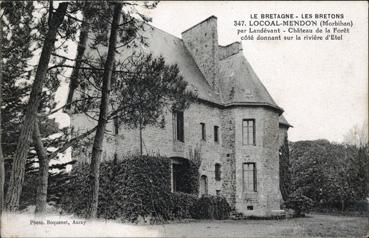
<point x="236" y="127"/>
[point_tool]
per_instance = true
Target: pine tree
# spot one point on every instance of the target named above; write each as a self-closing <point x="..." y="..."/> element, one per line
<point x="2" y="169"/>
<point x="18" y="166"/>
<point x="99" y="136"/>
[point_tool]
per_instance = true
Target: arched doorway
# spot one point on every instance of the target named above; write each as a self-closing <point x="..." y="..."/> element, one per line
<point x="203" y="185"/>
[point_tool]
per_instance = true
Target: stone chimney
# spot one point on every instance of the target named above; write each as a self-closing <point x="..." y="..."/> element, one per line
<point x="228" y="50"/>
<point x="202" y="42"/>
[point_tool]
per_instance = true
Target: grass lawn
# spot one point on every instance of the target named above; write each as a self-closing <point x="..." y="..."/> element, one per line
<point x="314" y="225"/>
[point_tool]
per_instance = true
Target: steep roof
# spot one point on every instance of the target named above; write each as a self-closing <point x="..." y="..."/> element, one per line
<point x="240" y="84"/>
<point x="174" y="51"/>
<point x="284" y="122"/>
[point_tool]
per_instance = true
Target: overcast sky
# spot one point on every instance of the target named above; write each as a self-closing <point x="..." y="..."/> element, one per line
<point x="322" y="85"/>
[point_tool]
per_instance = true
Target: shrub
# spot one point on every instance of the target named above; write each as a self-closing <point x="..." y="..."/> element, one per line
<point x="211" y="207"/>
<point x="300" y="203"/>
<point x="75" y="195"/>
<point x="182" y="204"/>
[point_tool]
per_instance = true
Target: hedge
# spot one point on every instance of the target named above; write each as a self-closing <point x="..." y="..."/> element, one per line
<point x="211" y="207"/>
<point x="137" y="189"/>
<point x="182" y="203"/>
<point x="138" y="186"/>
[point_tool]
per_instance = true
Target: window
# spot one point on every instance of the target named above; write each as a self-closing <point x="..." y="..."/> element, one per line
<point x="249" y="177"/>
<point x="203" y="185"/>
<point x="116" y="126"/>
<point x="178" y="126"/>
<point x="248" y="132"/>
<point x="216" y="128"/>
<point x="218" y="172"/>
<point x="203" y="131"/>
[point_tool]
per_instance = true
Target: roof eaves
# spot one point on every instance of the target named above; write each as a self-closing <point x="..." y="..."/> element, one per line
<point x="243" y="104"/>
<point x="282" y="124"/>
<point x="256" y="104"/>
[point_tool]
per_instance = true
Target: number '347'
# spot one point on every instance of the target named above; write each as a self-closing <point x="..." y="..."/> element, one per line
<point x="239" y="23"/>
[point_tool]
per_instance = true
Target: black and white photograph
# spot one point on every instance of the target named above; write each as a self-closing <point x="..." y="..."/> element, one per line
<point x="184" y="119"/>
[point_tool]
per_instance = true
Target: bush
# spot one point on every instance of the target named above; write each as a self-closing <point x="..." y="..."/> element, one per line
<point x="182" y="205"/>
<point x="357" y="208"/>
<point x="211" y="207"/>
<point x="76" y="190"/>
<point x="300" y="203"/>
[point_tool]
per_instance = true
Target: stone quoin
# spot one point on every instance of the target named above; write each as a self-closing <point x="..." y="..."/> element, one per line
<point x="236" y="127"/>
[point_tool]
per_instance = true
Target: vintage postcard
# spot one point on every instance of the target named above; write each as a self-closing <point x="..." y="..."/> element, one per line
<point x="184" y="119"/>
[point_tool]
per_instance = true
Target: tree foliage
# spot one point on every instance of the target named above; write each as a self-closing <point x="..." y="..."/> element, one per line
<point x="357" y="135"/>
<point x="17" y="22"/>
<point x="330" y="174"/>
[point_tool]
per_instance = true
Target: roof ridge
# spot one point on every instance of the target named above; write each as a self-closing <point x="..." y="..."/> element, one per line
<point x="156" y="28"/>
<point x="212" y="16"/>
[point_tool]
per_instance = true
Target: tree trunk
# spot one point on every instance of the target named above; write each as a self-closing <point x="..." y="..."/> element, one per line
<point x="74" y="81"/>
<point x="2" y="170"/>
<point x="18" y="166"/>
<point x="140" y="140"/>
<point x="43" y="173"/>
<point x="342" y="205"/>
<point x="99" y="136"/>
<point x="44" y="159"/>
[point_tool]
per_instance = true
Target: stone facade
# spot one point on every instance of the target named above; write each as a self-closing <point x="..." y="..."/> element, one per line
<point x="250" y="191"/>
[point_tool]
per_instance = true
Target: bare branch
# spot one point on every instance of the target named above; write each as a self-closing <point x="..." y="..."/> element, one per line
<point x="71" y="143"/>
<point x="66" y="105"/>
<point x="61" y="56"/>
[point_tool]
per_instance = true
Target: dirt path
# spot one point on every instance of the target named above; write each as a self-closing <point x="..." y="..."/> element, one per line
<point x="20" y="225"/>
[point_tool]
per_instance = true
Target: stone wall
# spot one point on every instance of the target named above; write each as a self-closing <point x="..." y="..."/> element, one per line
<point x="228" y="151"/>
<point x="265" y="155"/>
<point x="161" y="141"/>
<point x="229" y="165"/>
<point x="228" y="50"/>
